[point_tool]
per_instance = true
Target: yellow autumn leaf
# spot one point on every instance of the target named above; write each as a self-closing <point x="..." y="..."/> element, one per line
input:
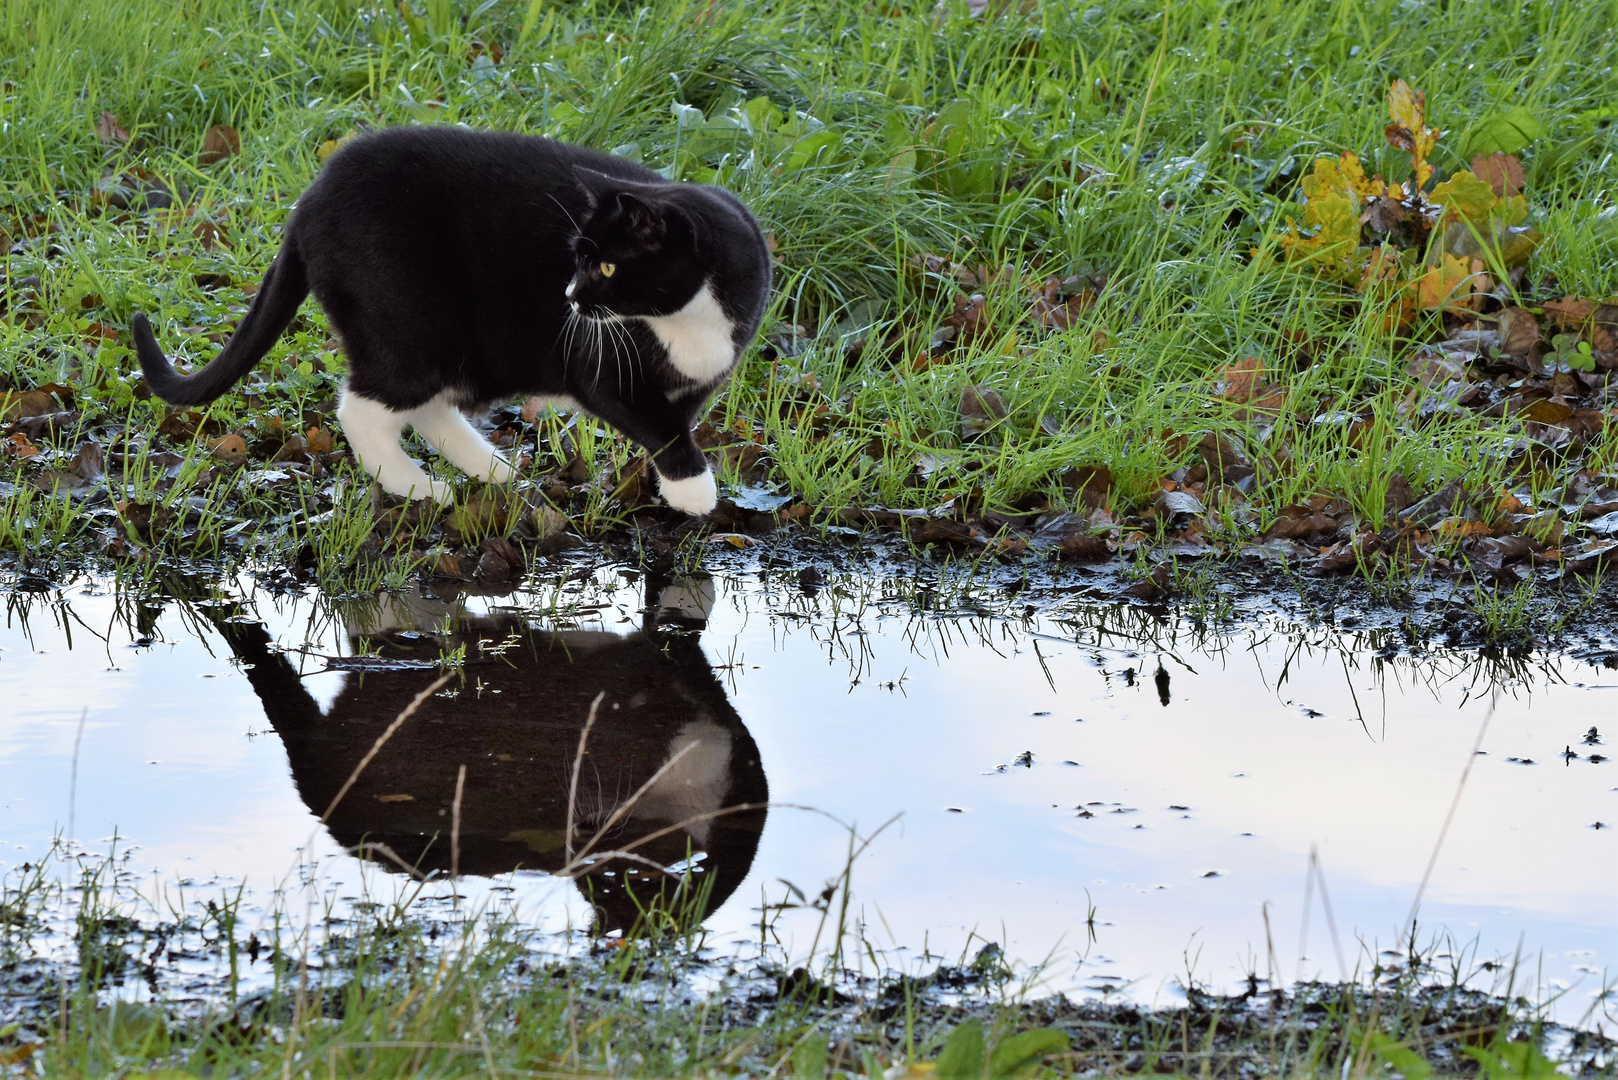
<point x="1447" y="285"/>
<point x="1332" y="176"/>
<point x="331" y="146"/>
<point x="1334" y="247"/>
<point x="1407" y="108"/>
<point x="1383" y="264"/>
<point x="1464" y="197"/>
<point x="1511" y="210"/>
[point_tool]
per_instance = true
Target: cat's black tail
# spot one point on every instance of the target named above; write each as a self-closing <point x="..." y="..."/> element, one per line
<point x="272" y="309"/>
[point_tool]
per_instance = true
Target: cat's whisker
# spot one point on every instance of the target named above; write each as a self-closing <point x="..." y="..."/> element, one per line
<point x="601" y="346"/>
<point x="572" y="331"/>
<point x="627" y="335"/>
<point x="615" y="325"/>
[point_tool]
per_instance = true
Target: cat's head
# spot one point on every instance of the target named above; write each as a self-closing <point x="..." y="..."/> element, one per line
<point x="636" y="254"/>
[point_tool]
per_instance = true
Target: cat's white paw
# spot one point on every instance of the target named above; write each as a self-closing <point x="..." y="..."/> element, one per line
<point x="439" y="491"/>
<point x="419" y="487"/>
<point x="500" y="471"/>
<point x="695" y="495"/>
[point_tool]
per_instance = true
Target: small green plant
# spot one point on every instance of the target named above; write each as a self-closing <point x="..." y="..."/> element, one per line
<point x="1571" y="354"/>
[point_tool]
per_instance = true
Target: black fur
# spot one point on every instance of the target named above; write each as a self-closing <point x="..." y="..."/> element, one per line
<point x="441" y="257"/>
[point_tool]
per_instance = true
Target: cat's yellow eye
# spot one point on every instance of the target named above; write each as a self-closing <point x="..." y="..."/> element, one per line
<point x="608" y="269"/>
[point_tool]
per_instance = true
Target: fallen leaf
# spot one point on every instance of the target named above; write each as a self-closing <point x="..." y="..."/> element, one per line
<point x="547" y="522"/>
<point x="1448" y="285"/>
<point x="15" y="1055"/>
<point x="320" y="440"/>
<point x="18" y="446"/>
<point x="1460" y="528"/>
<point x="1177" y="508"/>
<point x="1569" y="312"/>
<point x="89" y="462"/>
<point x="1241" y="381"/>
<point x="735" y="540"/>
<point x="1519" y="333"/>
<point x="1383" y="215"/>
<point x="981" y="408"/>
<point x="108" y="130"/>
<point x="331" y="146"/>
<point x="447" y="565"/>
<point x="1545" y="411"/>
<point x="1225" y="462"/>
<point x="211" y="235"/>
<point x="944" y="531"/>
<point x="1084" y="547"/>
<point x="493" y="565"/>
<point x="26" y="403"/>
<point x="218" y="143"/>
<point x="231" y="449"/>
<point x="1059" y="303"/>
<point x="1092" y="484"/>
<point x="1502" y="171"/>
<point x="970" y="317"/>
<point x="1298" y="522"/>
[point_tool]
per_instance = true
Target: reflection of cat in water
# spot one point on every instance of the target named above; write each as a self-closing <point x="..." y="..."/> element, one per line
<point x="514" y="721"/>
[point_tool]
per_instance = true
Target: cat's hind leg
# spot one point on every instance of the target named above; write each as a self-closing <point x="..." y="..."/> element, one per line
<point x="452" y="434"/>
<point x="373" y="430"/>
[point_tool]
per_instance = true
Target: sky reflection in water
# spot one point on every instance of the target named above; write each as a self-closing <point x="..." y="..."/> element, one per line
<point x="1037" y="772"/>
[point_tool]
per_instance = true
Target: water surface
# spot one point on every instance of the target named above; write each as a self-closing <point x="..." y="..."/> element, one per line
<point x="1120" y="797"/>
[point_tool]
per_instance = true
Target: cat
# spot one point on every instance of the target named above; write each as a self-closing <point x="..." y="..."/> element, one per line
<point x="459" y="268"/>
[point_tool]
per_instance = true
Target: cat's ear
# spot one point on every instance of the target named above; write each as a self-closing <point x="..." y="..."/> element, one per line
<point x="644" y="221"/>
<point x="594" y="184"/>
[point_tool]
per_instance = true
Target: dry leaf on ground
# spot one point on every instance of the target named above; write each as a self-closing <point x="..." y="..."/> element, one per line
<point x="231" y="449"/>
<point x="108" y="130"/>
<point x="220" y="142"/>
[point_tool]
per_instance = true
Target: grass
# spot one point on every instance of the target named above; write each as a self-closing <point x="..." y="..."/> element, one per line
<point x="104" y="979"/>
<point x="1152" y="147"/>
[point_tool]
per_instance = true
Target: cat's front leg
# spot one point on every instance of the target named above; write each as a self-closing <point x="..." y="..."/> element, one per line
<point x="683" y="477"/>
<point x="695" y="494"/>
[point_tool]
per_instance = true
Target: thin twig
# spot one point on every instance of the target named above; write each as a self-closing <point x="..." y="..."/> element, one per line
<point x="573" y="787"/>
<point x="73" y="779"/>
<point x="1325" y="904"/>
<point x="381" y="740"/>
<point x="371" y="847"/>
<point x="455" y="827"/>
<point x="1454" y="804"/>
<point x="629" y="804"/>
<point x="1362" y="1057"/>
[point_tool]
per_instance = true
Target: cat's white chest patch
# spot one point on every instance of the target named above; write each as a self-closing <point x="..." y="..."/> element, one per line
<point x="698" y="337"/>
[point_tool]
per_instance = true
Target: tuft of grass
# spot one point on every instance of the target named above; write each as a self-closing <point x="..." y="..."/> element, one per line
<point x="407" y="984"/>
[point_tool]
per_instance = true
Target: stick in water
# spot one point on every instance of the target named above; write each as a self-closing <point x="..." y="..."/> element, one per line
<point x="455" y="827"/>
<point x="573" y="788"/>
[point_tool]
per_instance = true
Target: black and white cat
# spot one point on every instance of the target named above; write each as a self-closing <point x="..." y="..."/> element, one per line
<point x="459" y="268"/>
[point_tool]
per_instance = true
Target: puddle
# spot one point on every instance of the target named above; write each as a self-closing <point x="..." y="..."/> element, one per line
<point x="1119" y="797"/>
